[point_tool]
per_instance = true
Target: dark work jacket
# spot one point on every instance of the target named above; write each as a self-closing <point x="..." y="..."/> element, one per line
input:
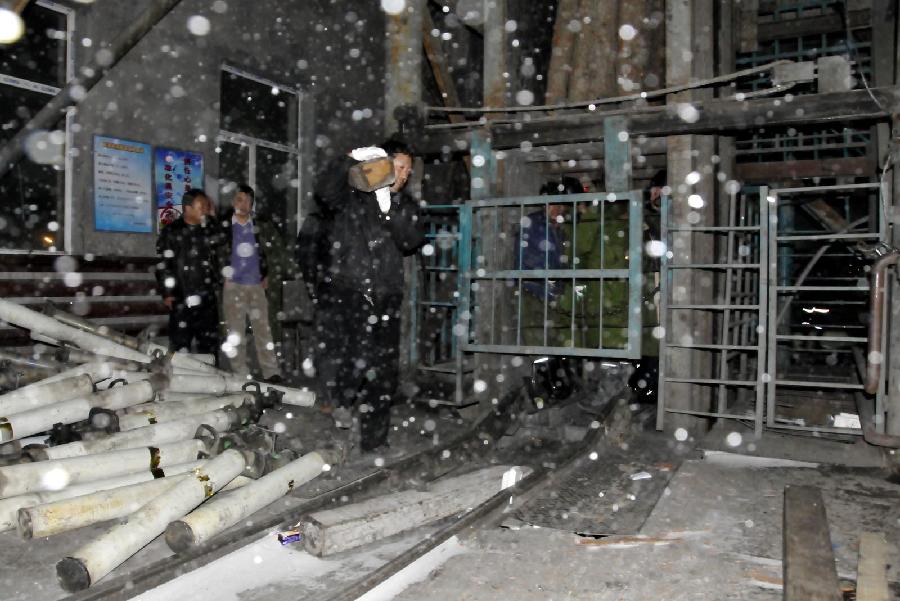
<point x="188" y="259"/>
<point x="367" y="246"/>
<point x="313" y="250"/>
<point x="268" y="245"/>
<point x="539" y="245"/>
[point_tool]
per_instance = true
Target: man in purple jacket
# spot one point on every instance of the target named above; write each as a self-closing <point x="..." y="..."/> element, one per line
<point x="247" y="241"/>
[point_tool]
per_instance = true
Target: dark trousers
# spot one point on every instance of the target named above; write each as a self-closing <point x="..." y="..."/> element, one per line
<point x="359" y="356"/>
<point x="200" y="323"/>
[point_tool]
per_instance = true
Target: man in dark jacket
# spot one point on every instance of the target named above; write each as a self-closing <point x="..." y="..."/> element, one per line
<point x="188" y="275"/>
<point x="250" y="246"/>
<point x="539" y="246"/>
<point x="361" y="296"/>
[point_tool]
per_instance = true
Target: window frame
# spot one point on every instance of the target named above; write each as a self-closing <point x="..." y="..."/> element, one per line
<point x="252" y="142"/>
<point x="51" y="91"/>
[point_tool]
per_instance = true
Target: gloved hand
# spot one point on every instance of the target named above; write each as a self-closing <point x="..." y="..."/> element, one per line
<point x="383" y="196"/>
<point x="367" y="153"/>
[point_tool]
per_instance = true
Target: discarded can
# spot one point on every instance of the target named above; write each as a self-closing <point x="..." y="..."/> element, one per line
<point x="289" y="536"/>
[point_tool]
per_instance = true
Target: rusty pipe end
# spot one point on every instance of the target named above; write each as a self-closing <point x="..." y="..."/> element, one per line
<point x="24" y="524"/>
<point x="876" y="320"/>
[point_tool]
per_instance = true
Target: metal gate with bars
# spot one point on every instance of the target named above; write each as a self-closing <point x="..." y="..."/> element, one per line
<point x="785" y="335"/>
<point x="530" y="286"/>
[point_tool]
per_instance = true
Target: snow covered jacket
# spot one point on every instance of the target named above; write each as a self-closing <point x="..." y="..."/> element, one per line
<point x="367" y="246"/>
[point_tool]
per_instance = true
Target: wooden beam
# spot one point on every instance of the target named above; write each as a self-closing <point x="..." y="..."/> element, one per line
<point x="793" y="28"/>
<point x="748" y="26"/>
<point x="714" y="117"/>
<point x="825" y="214"/>
<point x="656" y="59"/>
<point x="403" y="77"/>
<point x="871" y="573"/>
<point x="633" y="53"/>
<point x="589" y="150"/>
<point x="453" y="5"/>
<point x="593" y="69"/>
<point x="776" y="171"/>
<point x="561" y="52"/>
<point x="496" y="58"/>
<point x="809" y="571"/>
<point x="437" y="59"/>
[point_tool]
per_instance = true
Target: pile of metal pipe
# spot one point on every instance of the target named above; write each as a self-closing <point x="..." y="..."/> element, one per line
<point x="153" y="435"/>
<point x="147" y="414"/>
<point x="10" y="507"/>
<point x="98" y="558"/>
<point x="17" y="422"/>
<point x="128" y="429"/>
<point x="220" y="513"/>
<point x="52" y="518"/>
<point x="56" y="474"/>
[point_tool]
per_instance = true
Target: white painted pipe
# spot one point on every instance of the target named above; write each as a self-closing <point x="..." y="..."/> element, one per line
<point x="47" y="326"/>
<point x="97" y="370"/>
<point x="130" y="376"/>
<point x="26" y="423"/>
<point x="208" y="385"/>
<point x="61" y="516"/>
<point x="45" y="393"/>
<point x="42" y="419"/>
<point x="57" y="474"/>
<point x="292" y="396"/>
<point x="160" y="413"/>
<point x="166" y="396"/>
<point x="220" y="513"/>
<point x="179" y="359"/>
<point x="155" y="435"/>
<point x="121" y="397"/>
<point x="9" y="507"/>
<point x="80" y="356"/>
<point x="95" y="560"/>
<point x="207" y="358"/>
<point x="213" y="384"/>
<point x="298" y="397"/>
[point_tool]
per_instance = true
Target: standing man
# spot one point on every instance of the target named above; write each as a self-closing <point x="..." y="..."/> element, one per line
<point x="361" y="296"/>
<point x="248" y="249"/>
<point x="188" y="275"/>
<point x="539" y="245"/>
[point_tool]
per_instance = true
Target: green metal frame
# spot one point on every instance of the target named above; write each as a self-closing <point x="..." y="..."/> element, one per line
<point x="633" y="275"/>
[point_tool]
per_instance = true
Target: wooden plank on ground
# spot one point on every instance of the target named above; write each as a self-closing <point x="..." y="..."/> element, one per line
<point x="871" y="578"/>
<point x="809" y="571"/>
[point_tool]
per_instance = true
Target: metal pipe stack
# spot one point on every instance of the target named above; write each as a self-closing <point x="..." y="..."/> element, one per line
<point x="132" y="430"/>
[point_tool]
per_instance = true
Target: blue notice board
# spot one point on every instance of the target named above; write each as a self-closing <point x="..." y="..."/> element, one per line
<point x="175" y="172"/>
<point x="123" y="172"/>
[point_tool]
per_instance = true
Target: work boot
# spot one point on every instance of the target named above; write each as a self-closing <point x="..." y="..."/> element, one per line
<point x="343" y="417"/>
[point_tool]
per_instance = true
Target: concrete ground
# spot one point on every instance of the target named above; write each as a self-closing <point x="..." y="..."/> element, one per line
<point x="715" y="533"/>
<point x="724" y="523"/>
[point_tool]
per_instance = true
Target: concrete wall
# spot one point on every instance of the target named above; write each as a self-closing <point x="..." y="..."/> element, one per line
<point x="165" y="92"/>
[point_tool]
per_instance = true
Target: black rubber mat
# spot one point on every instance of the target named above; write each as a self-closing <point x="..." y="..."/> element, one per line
<point x="611" y="494"/>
